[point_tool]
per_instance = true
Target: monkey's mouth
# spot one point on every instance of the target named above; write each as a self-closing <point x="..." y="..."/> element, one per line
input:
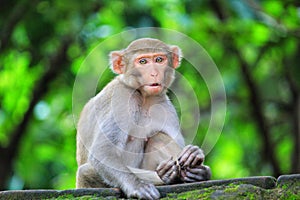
<point x="154" y="85"/>
<point x="153" y="88"/>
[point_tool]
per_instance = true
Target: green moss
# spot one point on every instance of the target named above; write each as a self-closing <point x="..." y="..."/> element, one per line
<point x="85" y="197"/>
<point x="289" y="190"/>
<point x="70" y="196"/>
<point x="235" y="191"/>
<point x="284" y="187"/>
<point x="195" y="194"/>
<point x="231" y="188"/>
<point x="291" y="193"/>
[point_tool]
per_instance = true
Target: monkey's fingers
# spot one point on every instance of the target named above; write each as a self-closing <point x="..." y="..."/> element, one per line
<point x="198" y="158"/>
<point x="189" y="154"/>
<point x="197" y="161"/>
<point x="200" y="176"/>
<point x="174" y="174"/>
<point x="146" y="191"/>
<point x="153" y="192"/>
<point x="185" y="149"/>
<point x="201" y="173"/>
<point x="189" y="178"/>
<point x="165" y="166"/>
<point x="182" y="175"/>
<point x="171" y="175"/>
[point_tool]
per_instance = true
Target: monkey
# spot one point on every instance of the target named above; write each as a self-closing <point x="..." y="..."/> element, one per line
<point x="116" y="126"/>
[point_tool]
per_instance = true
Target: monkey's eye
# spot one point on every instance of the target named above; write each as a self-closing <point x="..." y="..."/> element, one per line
<point x="143" y="61"/>
<point x="159" y="59"/>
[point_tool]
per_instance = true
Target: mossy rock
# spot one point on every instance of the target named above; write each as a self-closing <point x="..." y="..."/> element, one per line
<point x="287" y="187"/>
<point x="232" y="191"/>
<point x="238" y="191"/>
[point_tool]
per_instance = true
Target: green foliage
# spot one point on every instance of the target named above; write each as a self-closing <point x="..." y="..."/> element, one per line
<point x="265" y="34"/>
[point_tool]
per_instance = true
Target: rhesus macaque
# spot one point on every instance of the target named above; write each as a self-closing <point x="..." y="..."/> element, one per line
<point x="132" y="116"/>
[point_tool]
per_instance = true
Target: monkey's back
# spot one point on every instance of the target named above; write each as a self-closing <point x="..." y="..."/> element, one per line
<point x="95" y="110"/>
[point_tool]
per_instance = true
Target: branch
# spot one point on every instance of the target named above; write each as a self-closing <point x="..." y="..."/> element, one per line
<point x="218" y="9"/>
<point x="295" y="112"/>
<point x="257" y="110"/>
<point x="12" y="20"/>
<point x="255" y="99"/>
<point x="56" y="65"/>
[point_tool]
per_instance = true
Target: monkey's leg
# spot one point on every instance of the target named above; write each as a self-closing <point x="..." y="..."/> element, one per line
<point x="87" y="177"/>
<point x="110" y="164"/>
<point x="160" y="155"/>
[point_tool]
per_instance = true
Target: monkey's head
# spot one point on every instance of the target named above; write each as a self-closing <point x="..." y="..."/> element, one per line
<point x="147" y="65"/>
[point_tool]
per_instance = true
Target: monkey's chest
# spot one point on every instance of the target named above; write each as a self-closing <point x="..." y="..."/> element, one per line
<point x="153" y="120"/>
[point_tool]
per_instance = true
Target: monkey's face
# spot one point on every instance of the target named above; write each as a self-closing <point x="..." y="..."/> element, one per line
<point x="146" y="65"/>
<point x="152" y="68"/>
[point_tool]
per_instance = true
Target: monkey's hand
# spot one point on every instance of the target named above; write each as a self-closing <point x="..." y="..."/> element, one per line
<point x="168" y="171"/>
<point x="194" y="174"/>
<point x="191" y="156"/>
<point x="143" y="191"/>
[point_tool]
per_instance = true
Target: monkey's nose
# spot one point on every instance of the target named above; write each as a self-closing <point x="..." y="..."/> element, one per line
<point x="154" y="74"/>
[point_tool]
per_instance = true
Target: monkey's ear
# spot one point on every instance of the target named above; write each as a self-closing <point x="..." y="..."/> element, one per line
<point x="176" y="56"/>
<point x="117" y="63"/>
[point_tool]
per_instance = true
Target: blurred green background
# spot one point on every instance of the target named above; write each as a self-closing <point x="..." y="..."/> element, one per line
<point x="254" y="43"/>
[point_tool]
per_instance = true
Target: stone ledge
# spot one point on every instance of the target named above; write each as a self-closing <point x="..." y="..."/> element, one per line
<point x="263" y="187"/>
<point x="288" y="179"/>
<point x="49" y="194"/>
<point x="266" y="182"/>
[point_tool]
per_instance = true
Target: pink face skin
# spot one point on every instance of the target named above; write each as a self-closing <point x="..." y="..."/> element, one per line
<point x="153" y="73"/>
<point x="152" y="67"/>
